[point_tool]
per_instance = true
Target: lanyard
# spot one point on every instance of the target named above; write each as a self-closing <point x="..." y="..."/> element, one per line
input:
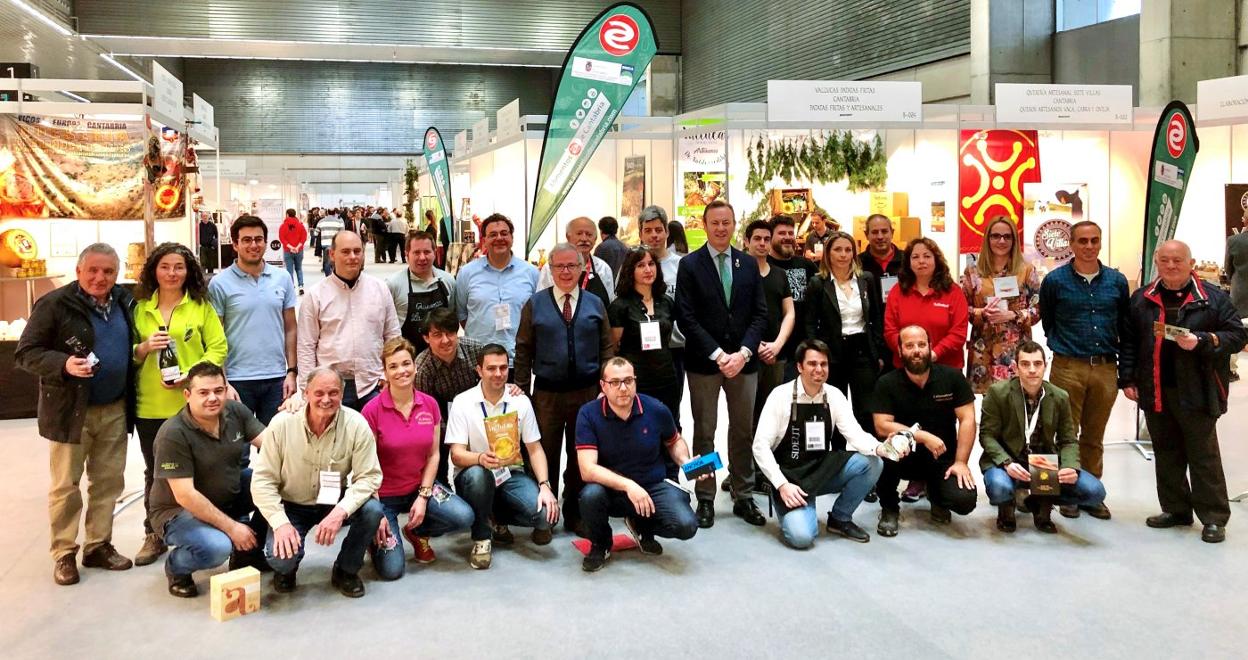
<point x="1033" y="419"/>
<point x="589" y="269"/>
<point x="487" y="415"/>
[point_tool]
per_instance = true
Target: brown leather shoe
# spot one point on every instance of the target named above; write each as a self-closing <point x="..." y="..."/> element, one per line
<point x="65" y="570"/>
<point x="106" y="557"/>
<point x="152" y="549"/>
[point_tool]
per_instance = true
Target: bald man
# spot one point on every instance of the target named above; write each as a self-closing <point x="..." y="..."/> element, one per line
<point x="597" y="277"/>
<point x="1177" y="341"/>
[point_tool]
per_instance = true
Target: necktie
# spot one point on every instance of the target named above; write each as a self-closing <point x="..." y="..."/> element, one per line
<point x="725" y="277"/>
<point x="567" y="308"/>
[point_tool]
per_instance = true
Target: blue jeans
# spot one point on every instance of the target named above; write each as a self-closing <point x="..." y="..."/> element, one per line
<point x="363" y="529"/>
<point x="798" y="527"/>
<point x="441" y="518"/>
<point x="512" y="503"/>
<point x="261" y="396"/>
<point x="196" y="545"/>
<point x="294" y="265"/>
<point x="1086" y="491"/>
<point x="327" y="266"/>
<point x="672" y="518"/>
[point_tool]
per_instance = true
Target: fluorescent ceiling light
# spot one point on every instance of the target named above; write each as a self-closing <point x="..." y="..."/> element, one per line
<point x="305" y="42"/>
<point x="344" y="59"/>
<point x="74" y="96"/>
<point x="123" y="67"/>
<point x="43" y="18"/>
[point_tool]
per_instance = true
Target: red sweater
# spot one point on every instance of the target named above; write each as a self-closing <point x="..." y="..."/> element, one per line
<point x="943" y="315"/>
<point x="292" y="234"/>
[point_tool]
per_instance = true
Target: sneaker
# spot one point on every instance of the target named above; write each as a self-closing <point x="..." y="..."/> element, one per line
<point x="152" y="549"/>
<point x="888" y="523"/>
<point x="542" y="536"/>
<point x="645" y="542"/>
<point x="422" y="552"/>
<point x="914" y="491"/>
<point x="481" y="554"/>
<point x="503" y="536"/>
<point x="595" y="559"/>
<point x="106" y="556"/>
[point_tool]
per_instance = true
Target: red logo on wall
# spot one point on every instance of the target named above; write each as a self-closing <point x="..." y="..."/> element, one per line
<point x="994" y="165"/>
<point x="1176" y="135"/>
<point x="618" y="35"/>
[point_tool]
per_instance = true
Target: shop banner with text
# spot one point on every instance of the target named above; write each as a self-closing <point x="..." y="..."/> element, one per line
<point x="88" y="169"/>
<point x="1174" y="151"/>
<point x="993" y="165"/>
<point x="440" y="171"/>
<point x="1236" y="207"/>
<point x="599" y="74"/>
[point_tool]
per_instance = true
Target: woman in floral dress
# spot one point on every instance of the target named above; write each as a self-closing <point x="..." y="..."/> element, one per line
<point x="1003" y="292"/>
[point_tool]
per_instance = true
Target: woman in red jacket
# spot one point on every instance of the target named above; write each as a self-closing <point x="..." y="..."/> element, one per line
<point x="925" y="296"/>
<point x="294" y="237"/>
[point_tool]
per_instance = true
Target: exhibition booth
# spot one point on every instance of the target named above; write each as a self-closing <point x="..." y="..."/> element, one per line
<point x="121" y="169"/>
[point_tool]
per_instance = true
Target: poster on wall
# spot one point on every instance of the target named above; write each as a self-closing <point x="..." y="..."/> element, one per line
<point x="272" y="210"/>
<point x="88" y="169"/>
<point x="1236" y="207"/>
<point x="938" y="217"/>
<point x="632" y="198"/>
<point x="1049" y="209"/>
<point x="993" y="166"/>
<point x="1174" y="152"/>
<point x="703" y="164"/>
<point x="599" y="74"/>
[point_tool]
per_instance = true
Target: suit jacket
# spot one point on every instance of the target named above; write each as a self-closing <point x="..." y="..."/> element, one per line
<point x="708" y="321"/>
<point x="1002" y="425"/>
<point x="823" y="315"/>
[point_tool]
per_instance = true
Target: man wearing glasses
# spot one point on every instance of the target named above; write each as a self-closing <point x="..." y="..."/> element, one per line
<point x="620" y="440"/>
<point x="564" y="337"/>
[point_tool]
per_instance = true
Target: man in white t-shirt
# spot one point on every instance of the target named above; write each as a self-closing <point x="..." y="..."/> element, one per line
<point x="486" y="463"/>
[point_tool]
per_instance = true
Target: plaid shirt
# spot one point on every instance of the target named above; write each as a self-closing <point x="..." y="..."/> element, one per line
<point x="1083" y="319"/>
<point x="103" y="310"/>
<point x="444" y="381"/>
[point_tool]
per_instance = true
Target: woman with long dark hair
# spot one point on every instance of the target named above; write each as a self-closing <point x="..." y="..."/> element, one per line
<point x="845" y="311"/>
<point x="172" y="310"/>
<point x="641" y="317"/>
<point x="676" y="237"/>
<point x="925" y="296"/>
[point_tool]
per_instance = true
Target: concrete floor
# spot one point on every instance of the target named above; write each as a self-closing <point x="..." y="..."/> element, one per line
<point x="1099" y="589"/>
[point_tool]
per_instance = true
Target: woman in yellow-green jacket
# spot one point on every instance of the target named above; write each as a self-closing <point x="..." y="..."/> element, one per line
<point x="172" y="294"/>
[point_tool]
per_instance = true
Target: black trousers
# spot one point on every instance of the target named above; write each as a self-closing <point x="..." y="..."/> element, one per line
<point x="146" y="430"/>
<point x="1186" y="441"/>
<point x="855" y="374"/>
<point x="920" y="464"/>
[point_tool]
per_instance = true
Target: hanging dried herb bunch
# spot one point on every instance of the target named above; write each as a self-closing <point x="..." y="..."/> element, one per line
<point x="824" y="158"/>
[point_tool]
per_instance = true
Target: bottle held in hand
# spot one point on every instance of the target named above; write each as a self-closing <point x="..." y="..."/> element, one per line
<point x="170" y="372"/>
<point x="80" y="350"/>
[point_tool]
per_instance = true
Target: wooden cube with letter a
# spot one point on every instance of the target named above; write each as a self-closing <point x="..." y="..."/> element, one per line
<point x="235" y="593"/>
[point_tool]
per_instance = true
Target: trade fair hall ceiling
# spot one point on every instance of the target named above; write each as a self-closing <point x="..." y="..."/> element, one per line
<point x="59" y="53"/>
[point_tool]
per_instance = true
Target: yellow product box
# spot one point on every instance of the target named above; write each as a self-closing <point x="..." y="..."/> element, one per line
<point x="235" y="593"/>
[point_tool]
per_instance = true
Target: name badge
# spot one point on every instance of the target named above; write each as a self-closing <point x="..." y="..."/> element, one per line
<point x="815" y="440"/>
<point x="502" y="317"/>
<point x="501" y="475"/>
<point x="650" y="339"/>
<point x="887" y="283"/>
<point x="331" y="488"/>
<point x="1005" y="287"/>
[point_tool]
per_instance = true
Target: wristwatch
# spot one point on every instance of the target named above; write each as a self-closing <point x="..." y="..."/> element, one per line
<point x="425" y="492"/>
<point x="545" y="483"/>
<point x="293" y="370"/>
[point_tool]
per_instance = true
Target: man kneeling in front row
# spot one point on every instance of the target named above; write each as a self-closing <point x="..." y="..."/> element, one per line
<point x="300" y="482"/>
<point x="1010" y="440"/>
<point x="620" y="440"/>
<point x="796" y="447"/>
<point x="201" y="501"/>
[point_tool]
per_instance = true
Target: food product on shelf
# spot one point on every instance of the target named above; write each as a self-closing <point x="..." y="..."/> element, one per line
<point x="16" y="245"/>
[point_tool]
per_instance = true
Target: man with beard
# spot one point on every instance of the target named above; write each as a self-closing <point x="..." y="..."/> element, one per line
<point x="816" y="234"/>
<point x="936" y="404"/>
<point x="596" y="277"/>
<point x="799" y="270"/>
<point x="489" y="292"/>
<point x="343" y="322"/>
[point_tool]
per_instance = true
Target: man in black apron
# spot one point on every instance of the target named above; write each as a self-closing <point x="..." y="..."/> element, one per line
<point x="420" y="288"/>
<point x="809" y="444"/>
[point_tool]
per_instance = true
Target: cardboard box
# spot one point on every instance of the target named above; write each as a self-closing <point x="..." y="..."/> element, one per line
<point x="905" y="229"/>
<point x="890" y="204"/>
<point x="235" y="593"/>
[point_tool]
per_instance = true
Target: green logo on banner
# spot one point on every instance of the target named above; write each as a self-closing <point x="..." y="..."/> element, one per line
<point x="599" y="74"/>
<point x="440" y="172"/>
<point x="1174" y="151"/>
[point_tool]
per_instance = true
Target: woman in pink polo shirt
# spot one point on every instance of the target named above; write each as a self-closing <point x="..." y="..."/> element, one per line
<point x="405" y="423"/>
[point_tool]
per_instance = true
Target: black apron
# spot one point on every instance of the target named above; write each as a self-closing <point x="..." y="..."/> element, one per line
<point x="592" y="283"/>
<point x="810" y="469"/>
<point x="418" y="307"/>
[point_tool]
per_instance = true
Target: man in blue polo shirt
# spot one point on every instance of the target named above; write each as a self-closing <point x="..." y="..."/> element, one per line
<point x="620" y="440"/>
<point x="256" y="303"/>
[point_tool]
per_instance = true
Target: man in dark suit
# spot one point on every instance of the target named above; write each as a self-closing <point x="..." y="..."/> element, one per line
<point x="722" y="312"/>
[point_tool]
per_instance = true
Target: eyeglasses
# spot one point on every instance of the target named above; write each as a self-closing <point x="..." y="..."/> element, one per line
<point x="621" y="382"/>
<point x="252" y="240"/>
<point x="564" y="267"/>
<point x="1001" y="237"/>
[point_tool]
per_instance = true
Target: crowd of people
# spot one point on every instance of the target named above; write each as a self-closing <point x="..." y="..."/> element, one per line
<point x="508" y="396"/>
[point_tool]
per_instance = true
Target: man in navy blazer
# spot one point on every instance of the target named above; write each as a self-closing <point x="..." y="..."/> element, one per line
<point x="722" y="312"/>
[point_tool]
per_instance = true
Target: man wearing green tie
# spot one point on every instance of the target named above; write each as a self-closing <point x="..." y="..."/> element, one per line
<point x="722" y="311"/>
